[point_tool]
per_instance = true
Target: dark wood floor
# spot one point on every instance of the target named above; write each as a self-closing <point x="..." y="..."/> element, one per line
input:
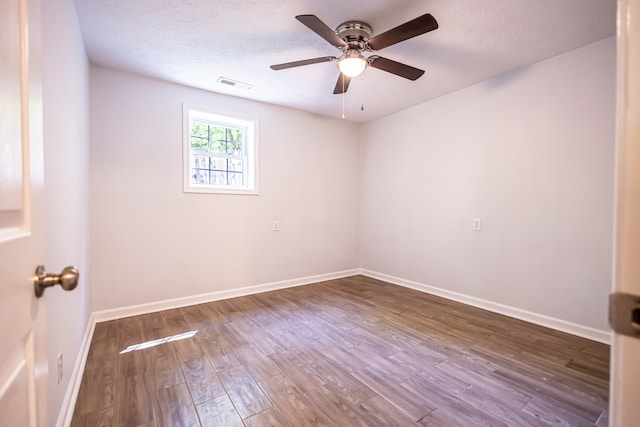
<point x="348" y="352"/>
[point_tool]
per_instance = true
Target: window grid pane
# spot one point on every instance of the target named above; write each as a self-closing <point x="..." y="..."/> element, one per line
<point x="213" y="169"/>
<point x="220" y="152"/>
<point x="218" y="171"/>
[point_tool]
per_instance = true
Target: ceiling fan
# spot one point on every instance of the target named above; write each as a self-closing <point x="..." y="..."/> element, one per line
<point x="353" y="38"/>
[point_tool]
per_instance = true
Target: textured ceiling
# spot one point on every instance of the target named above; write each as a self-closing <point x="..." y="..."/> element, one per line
<point x="194" y="42"/>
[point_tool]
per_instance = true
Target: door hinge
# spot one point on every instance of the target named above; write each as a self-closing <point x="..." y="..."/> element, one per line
<point x="624" y="314"/>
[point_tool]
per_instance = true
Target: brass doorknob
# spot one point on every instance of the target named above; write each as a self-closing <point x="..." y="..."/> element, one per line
<point x="68" y="279"/>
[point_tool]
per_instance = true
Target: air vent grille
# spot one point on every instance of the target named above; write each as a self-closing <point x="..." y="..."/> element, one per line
<point x="233" y="83"/>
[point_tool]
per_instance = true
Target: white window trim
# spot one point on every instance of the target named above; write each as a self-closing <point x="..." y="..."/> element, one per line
<point x="192" y="110"/>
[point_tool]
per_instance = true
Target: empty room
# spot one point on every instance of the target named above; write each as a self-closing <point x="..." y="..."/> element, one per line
<point x="284" y="213"/>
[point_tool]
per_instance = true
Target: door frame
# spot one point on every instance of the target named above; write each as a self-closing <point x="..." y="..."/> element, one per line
<point x="625" y="351"/>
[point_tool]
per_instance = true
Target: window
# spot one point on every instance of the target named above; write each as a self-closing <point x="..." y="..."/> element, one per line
<point x="220" y="152"/>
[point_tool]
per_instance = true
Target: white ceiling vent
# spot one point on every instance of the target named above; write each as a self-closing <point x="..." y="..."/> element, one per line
<point x="234" y="83"/>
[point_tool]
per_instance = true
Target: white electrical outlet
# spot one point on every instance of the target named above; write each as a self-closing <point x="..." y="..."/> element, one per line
<point x="476" y="224"/>
<point x="276" y="225"/>
<point x="60" y="367"/>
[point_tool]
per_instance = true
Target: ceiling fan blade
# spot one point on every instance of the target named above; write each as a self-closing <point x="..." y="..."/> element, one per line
<point x="397" y="68"/>
<point x="415" y="27"/>
<point x="321" y="29"/>
<point x="342" y="84"/>
<point x="303" y="62"/>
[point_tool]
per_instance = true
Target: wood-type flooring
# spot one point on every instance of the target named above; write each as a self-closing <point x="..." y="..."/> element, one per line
<point x="346" y="352"/>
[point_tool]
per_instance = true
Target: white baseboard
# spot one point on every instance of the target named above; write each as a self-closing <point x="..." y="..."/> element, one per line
<point x="69" y="402"/>
<point x="135" y="310"/>
<point x="528" y="316"/>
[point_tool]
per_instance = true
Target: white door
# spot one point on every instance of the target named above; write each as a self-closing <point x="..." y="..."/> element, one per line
<point x="625" y="375"/>
<point x="23" y="363"/>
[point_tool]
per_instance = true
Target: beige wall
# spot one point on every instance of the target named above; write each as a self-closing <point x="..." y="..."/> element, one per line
<point x="66" y="149"/>
<point x="530" y="153"/>
<point x="152" y="242"/>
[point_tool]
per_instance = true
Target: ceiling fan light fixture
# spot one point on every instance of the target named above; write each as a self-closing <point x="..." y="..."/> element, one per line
<point x="352" y="64"/>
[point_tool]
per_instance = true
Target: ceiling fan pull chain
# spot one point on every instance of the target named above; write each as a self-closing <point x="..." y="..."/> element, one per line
<point x="362" y="92"/>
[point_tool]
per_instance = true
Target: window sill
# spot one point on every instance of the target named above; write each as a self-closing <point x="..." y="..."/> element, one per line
<point x="210" y="190"/>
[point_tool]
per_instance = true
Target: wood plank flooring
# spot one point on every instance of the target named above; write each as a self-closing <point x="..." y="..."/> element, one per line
<point x="347" y="352"/>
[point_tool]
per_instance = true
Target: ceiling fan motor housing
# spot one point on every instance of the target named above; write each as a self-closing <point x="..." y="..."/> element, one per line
<point x="354" y="33"/>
